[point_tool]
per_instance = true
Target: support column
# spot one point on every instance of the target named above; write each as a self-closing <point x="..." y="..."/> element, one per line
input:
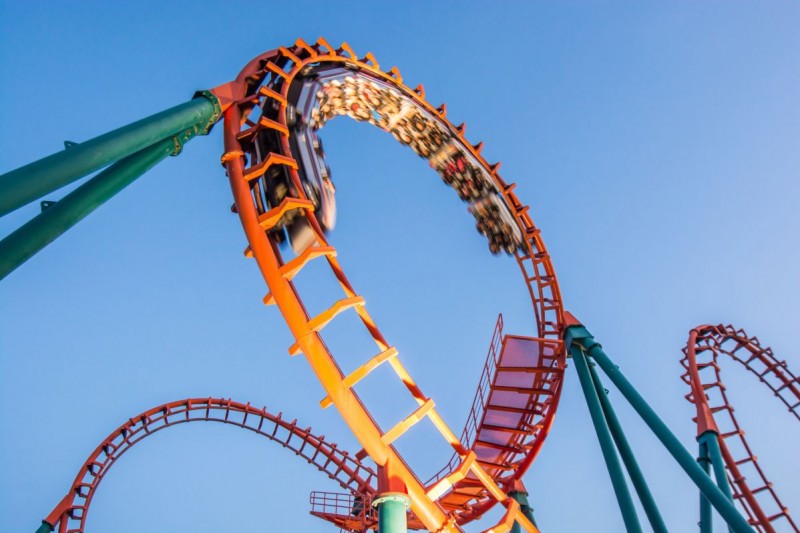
<point x="43" y="229"/>
<point x="45" y="528"/>
<point x="521" y="498"/>
<point x="577" y="334"/>
<point x="704" y="460"/>
<point x="32" y="181"/>
<point x="625" y="451"/>
<point x="392" y="507"/>
<point x="618" y="481"/>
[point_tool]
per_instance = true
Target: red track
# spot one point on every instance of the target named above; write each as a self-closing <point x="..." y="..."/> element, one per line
<point x="69" y="516"/>
<point x="715" y="413"/>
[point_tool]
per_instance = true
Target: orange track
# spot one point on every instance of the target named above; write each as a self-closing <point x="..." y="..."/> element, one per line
<point x="71" y="512"/>
<point x="703" y="375"/>
<point x="254" y="85"/>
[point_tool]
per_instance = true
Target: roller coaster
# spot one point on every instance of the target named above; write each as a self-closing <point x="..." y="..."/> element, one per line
<point x="284" y="196"/>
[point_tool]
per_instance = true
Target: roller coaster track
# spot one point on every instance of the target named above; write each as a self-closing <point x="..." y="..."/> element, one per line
<point x="69" y="516"/>
<point x="715" y="413"/>
<point x="263" y="85"/>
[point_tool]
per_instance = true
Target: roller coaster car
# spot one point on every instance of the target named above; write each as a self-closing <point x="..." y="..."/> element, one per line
<point x="315" y="177"/>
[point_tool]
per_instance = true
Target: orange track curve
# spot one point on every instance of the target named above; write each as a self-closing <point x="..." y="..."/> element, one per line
<point x="252" y="87"/>
<point x="69" y="516"/>
<point x="715" y="413"/>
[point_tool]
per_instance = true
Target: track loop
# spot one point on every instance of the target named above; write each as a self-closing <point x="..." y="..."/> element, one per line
<point x="276" y="71"/>
<point x="715" y="413"/>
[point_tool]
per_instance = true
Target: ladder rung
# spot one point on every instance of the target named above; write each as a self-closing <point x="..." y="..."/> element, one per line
<point x="273" y="125"/>
<point x="290" y="269"/>
<point x="321" y="320"/>
<point x="446" y="483"/>
<point x="361" y="372"/>
<point x="504" y="429"/>
<point x="404" y="425"/>
<point x="272" y="67"/>
<point x="269" y="93"/>
<point x="525" y="369"/>
<point x="256" y="171"/>
<point x="500" y="447"/>
<point x="268" y="220"/>
<point x="497" y="466"/>
<point x="521" y="390"/>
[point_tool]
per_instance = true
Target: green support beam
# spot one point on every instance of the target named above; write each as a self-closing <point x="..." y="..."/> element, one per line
<point x="45" y="528"/>
<point x="392" y="508"/>
<point x="631" y="465"/>
<point x="43" y="229"/>
<point x="521" y="498"/>
<point x="579" y="335"/>
<point x="704" y="460"/>
<point x="711" y="440"/>
<point x="618" y="481"/>
<point x="34" y="180"/>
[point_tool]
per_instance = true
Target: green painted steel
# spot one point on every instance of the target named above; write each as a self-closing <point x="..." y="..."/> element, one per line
<point x="522" y="499"/>
<point x="711" y="440"/>
<point x="704" y="460"/>
<point x="44" y="528"/>
<point x="628" y="458"/>
<point x="32" y="181"/>
<point x="618" y="481"/>
<point x="392" y="512"/>
<point x="580" y="335"/>
<point x="43" y="229"/>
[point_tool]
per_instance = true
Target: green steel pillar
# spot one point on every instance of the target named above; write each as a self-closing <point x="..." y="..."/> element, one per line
<point x="711" y="441"/>
<point x="579" y="335"/>
<point x="32" y="181"/>
<point x="606" y="442"/>
<point x="705" y="507"/>
<point x="392" y="508"/>
<point x="521" y="498"/>
<point x="43" y="229"/>
<point x="45" y="528"/>
<point x="625" y="451"/>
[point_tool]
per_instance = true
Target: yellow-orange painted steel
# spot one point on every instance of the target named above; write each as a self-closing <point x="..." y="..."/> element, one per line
<point x="306" y="329"/>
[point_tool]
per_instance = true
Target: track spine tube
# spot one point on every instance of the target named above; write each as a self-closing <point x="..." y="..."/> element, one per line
<point x="705" y="506"/>
<point x="25" y="184"/>
<point x="46" y="227"/>
<point x="577" y="334"/>
<point x="618" y="481"/>
<point x="628" y="458"/>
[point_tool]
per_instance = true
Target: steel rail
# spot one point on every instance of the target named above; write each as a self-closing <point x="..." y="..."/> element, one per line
<point x="71" y="512"/>
<point x="267" y="78"/>
<point x="708" y="393"/>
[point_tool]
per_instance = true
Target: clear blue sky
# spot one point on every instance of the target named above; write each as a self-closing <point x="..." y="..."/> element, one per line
<point x="658" y="146"/>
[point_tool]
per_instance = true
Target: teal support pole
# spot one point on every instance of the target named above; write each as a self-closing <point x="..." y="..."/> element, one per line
<point x="45" y="528"/>
<point x="606" y="443"/>
<point x="625" y="451"/>
<point x="705" y="506"/>
<point x="43" y="229"/>
<point x="34" y="180"/>
<point x="522" y="499"/>
<point x="580" y="336"/>
<point x="710" y="439"/>
<point x="392" y="508"/>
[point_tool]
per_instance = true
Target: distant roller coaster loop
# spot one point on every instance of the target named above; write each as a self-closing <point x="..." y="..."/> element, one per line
<point x="715" y="413"/>
<point x="69" y="516"/>
<point x="261" y="109"/>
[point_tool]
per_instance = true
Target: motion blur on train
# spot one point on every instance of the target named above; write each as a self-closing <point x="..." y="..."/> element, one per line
<point x="322" y="91"/>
